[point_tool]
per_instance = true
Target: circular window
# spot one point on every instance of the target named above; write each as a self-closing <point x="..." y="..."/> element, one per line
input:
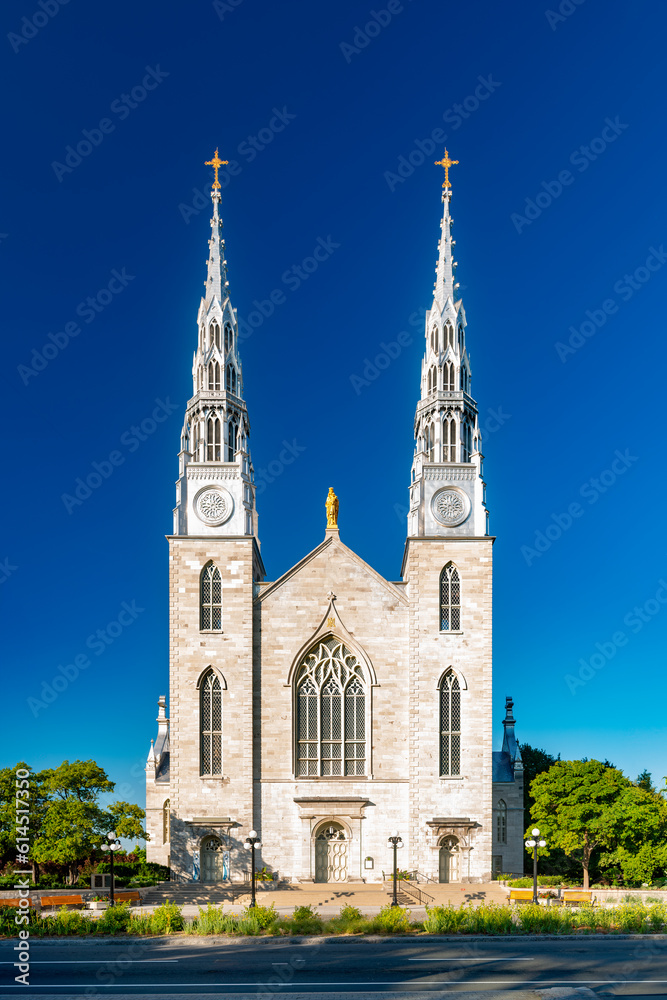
<point x="450" y="506"/>
<point x="214" y="506"/>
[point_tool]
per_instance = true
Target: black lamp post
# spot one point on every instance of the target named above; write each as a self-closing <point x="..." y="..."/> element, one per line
<point x="396" y="841"/>
<point x="251" y="843"/>
<point x="534" y="843"/>
<point x="113" y="846"/>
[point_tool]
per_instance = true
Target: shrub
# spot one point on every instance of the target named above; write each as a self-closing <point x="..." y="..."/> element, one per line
<point x="350" y="920"/>
<point x="116" y="919"/>
<point x="391" y="920"/>
<point x="166" y="919"/>
<point x="444" y="919"/>
<point x="304" y="921"/>
<point x="213" y="920"/>
<point x="264" y="915"/>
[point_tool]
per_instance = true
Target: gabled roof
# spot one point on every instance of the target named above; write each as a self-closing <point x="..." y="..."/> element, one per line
<point x="331" y="541"/>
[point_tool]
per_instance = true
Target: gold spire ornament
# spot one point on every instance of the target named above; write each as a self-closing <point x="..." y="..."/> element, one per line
<point x="446" y="163"/>
<point x="332" y="509"/>
<point x="216" y="163"/>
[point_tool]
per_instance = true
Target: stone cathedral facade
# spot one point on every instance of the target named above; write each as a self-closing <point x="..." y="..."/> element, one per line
<point x="329" y="707"/>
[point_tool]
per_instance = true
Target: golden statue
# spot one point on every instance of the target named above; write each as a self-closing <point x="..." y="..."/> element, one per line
<point x="332" y="509"/>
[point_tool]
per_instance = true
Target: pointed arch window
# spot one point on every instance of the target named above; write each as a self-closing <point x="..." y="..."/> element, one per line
<point x="501" y="822"/>
<point x="210" y="619"/>
<point x="166" y="822"/>
<point x="331" y="703"/>
<point x="215" y="335"/>
<point x="450" y="599"/>
<point x="213" y="443"/>
<point x="449" y="439"/>
<point x="449" y="336"/>
<point x="429" y="442"/>
<point x="228" y="337"/>
<point x="435" y="340"/>
<point x="210" y="725"/>
<point x="450" y="726"/>
<point x="448" y="376"/>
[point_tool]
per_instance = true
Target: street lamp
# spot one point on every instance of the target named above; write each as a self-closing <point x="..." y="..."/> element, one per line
<point x="113" y="846"/>
<point x="535" y="843"/>
<point x="252" y="842"/>
<point x="396" y="841"/>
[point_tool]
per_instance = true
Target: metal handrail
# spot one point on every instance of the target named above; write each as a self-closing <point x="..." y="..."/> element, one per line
<point x="418" y="894"/>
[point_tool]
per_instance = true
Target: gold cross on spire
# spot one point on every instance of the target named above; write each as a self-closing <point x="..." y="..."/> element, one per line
<point x="216" y="163"/>
<point x="446" y="163"/>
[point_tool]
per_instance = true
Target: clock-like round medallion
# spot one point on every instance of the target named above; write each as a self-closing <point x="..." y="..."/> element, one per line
<point x="450" y="506"/>
<point x="214" y="506"/>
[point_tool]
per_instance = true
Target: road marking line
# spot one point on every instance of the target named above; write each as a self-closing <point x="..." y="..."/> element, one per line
<point x="448" y="958"/>
<point x="90" y="961"/>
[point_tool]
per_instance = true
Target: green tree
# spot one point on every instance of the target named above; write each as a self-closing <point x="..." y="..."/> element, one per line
<point x="577" y="808"/>
<point x="67" y="822"/>
<point x="36" y="803"/>
<point x="534" y="762"/>
<point x="645" y="781"/>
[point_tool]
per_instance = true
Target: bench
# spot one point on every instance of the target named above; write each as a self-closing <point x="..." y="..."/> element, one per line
<point x="577" y="896"/>
<point x="127" y="897"/>
<point x="15" y="901"/>
<point x="521" y="895"/>
<point x="61" y="901"/>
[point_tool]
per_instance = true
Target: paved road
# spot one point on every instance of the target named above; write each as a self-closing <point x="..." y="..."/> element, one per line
<point x="345" y="967"/>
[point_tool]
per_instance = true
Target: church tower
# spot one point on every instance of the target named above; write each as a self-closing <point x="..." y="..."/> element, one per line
<point x="194" y="787"/>
<point x="447" y="568"/>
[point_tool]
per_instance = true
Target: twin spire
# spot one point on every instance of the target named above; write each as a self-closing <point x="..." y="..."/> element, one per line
<point x="445" y="286"/>
<point x="216" y="278"/>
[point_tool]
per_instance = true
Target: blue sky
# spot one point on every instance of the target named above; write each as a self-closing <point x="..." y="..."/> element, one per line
<point x="558" y="197"/>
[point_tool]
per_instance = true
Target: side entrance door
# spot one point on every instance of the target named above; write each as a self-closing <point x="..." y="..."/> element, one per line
<point x="211" y="860"/>
<point x="331" y="854"/>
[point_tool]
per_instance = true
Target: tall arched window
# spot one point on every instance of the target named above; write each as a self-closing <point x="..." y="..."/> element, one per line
<point x="210" y="723"/>
<point x="202" y="338"/>
<point x="213" y="444"/>
<point x="434" y="340"/>
<point x="166" y="822"/>
<point x="228" y="337"/>
<point x="330" y="695"/>
<point x="232" y="437"/>
<point x="449" y="336"/>
<point x="448" y="376"/>
<point x="450" y="726"/>
<point x="215" y="335"/>
<point x="501" y="822"/>
<point x="429" y="442"/>
<point x="450" y="599"/>
<point x="449" y="439"/>
<point x="210" y="619"/>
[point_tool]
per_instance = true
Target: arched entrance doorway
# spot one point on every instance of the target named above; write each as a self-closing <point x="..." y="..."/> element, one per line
<point x="211" y="859"/>
<point x="450" y="860"/>
<point x="331" y="853"/>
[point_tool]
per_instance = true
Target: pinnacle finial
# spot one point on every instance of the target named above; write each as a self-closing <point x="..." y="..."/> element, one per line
<point x="444" y="162"/>
<point x="216" y="163"/>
